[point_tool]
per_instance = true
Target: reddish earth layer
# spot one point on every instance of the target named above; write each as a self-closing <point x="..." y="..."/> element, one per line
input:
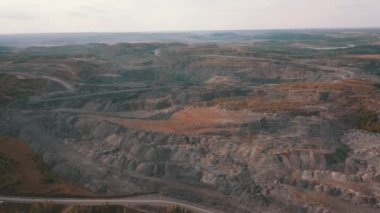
<point x="191" y="120"/>
<point x="319" y="199"/>
<point x="373" y="57"/>
<point x="22" y="172"/>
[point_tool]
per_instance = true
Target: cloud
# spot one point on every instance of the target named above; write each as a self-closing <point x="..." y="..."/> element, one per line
<point x="169" y="15"/>
<point x="354" y="5"/>
<point x="17" y="15"/>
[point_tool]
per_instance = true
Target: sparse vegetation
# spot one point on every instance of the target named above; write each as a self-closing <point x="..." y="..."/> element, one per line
<point x="23" y="172"/>
<point x="48" y="207"/>
<point x="48" y="176"/>
<point x="45" y="208"/>
<point x="258" y="104"/>
<point x="369" y="121"/>
<point x="12" y="88"/>
<point x="313" y="86"/>
<point x="105" y="208"/>
<point x="8" y="167"/>
<point x="177" y="209"/>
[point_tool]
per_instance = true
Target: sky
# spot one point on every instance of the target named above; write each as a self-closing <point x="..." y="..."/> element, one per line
<point x="43" y="16"/>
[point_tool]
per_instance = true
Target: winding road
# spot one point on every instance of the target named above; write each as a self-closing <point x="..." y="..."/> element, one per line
<point x="140" y="200"/>
<point x="101" y="94"/>
<point x="63" y="83"/>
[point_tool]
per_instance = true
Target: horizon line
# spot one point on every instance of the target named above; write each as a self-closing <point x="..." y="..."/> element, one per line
<point x="193" y="31"/>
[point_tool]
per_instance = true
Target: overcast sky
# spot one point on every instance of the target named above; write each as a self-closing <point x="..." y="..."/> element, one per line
<point x="37" y="16"/>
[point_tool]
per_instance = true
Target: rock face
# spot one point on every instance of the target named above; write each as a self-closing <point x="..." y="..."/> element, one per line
<point x="248" y="166"/>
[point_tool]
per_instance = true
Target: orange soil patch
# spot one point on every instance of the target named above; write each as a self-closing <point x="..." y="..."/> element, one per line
<point x="22" y="172"/>
<point x="312" y="86"/>
<point x="287" y="151"/>
<point x="361" y="187"/>
<point x="361" y="94"/>
<point x="373" y="57"/>
<point x="341" y="85"/>
<point x="319" y="199"/>
<point x="357" y="82"/>
<point x="190" y="120"/>
<point x="259" y="104"/>
<point x="364" y="96"/>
